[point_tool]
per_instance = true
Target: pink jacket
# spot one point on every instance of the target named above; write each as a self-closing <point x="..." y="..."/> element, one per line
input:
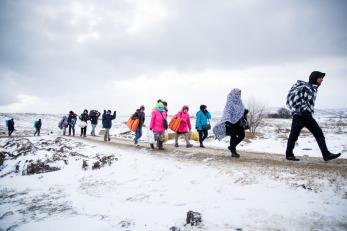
<point x="157" y="121"/>
<point x="185" y="122"/>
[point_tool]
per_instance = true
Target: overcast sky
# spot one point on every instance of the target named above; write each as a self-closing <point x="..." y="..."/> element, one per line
<point x="57" y="56"/>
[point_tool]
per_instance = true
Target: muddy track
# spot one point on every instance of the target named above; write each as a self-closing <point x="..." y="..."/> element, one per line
<point x="312" y="166"/>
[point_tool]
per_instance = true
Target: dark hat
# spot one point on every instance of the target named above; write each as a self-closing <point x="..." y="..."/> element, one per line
<point x="109" y="111"/>
<point x="315" y="75"/>
<point x="203" y="107"/>
<point x="142" y="107"/>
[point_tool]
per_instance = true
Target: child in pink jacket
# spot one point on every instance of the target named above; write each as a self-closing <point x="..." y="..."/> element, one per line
<point x="157" y="124"/>
<point x="185" y="126"/>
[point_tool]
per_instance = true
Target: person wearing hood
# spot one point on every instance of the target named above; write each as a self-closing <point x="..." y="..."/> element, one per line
<point x="63" y="123"/>
<point x="107" y="123"/>
<point x="184" y="127"/>
<point x="37" y="126"/>
<point x="202" y="124"/>
<point x="232" y="123"/>
<point x="84" y="117"/>
<point x="10" y="126"/>
<point x="72" y="119"/>
<point x="300" y="101"/>
<point x="159" y="124"/>
<point x="139" y="114"/>
<point x="94" y="116"/>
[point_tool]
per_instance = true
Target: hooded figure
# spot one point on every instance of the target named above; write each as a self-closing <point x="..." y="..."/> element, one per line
<point x="10" y="126"/>
<point x="314" y="76"/>
<point x="158" y="120"/>
<point x="84" y="117"/>
<point x="300" y="100"/>
<point x="234" y="108"/>
<point x="202" y="124"/>
<point x="233" y="112"/>
<point x="37" y="126"/>
<point x="302" y="95"/>
<point x="185" y="125"/>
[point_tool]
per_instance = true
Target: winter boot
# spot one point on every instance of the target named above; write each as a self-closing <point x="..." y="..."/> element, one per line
<point x="160" y="145"/>
<point x="331" y="156"/>
<point x="152" y="146"/>
<point x="235" y="155"/>
<point x="292" y="158"/>
<point x="189" y="145"/>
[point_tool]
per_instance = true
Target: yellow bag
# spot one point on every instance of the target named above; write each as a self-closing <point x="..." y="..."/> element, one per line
<point x="195" y="136"/>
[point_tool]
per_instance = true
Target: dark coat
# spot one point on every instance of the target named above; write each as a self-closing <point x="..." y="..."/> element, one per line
<point x="10" y="125"/>
<point x="94" y="116"/>
<point x="84" y="117"/>
<point x="107" y="120"/>
<point x="72" y="119"/>
<point x="38" y="124"/>
<point x="140" y="116"/>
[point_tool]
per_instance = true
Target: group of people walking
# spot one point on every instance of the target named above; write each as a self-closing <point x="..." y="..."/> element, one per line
<point x="300" y="101"/>
<point x="70" y="120"/>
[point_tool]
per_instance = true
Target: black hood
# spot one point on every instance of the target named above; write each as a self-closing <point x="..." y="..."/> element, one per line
<point x="203" y="107"/>
<point x="314" y="76"/>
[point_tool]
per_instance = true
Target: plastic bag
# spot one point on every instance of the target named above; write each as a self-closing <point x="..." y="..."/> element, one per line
<point x="150" y="137"/>
<point x="82" y="124"/>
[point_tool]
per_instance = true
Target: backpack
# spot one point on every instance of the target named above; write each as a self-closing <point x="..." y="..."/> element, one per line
<point x="175" y="123"/>
<point x="133" y="123"/>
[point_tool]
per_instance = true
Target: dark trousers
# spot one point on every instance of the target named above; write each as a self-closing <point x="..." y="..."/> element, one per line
<point x="298" y="123"/>
<point x="37" y="131"/>
<point x="84" y="131"/>
<point x="202" y="135"/>
<point x="236" y="133"/>
<point x="10" y="131"/>
<point x="71" y="127"/>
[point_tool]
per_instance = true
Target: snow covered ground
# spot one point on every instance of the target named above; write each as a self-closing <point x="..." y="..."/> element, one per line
<point x="55" y="183"/>
<point x="272" y="134"/>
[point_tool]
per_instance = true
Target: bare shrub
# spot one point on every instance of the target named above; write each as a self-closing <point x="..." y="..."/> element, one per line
<point x="256" y="115"/>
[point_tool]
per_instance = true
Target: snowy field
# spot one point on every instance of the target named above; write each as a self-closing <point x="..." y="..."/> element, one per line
<point x="55" y="183"/>
<point x="272" y="135"/>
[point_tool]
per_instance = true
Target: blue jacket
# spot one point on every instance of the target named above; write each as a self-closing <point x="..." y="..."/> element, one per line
<point x="107" y="120"/>
<point x="202" y="119"/>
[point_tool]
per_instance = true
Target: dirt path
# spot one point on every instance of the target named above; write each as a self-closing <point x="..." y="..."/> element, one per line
<point x="263" y="162"/>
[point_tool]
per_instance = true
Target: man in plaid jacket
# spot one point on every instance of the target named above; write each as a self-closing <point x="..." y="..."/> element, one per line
<point x="300" y="101"/>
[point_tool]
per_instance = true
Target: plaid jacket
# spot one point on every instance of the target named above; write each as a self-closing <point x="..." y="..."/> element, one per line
<point x="302" y="97"/>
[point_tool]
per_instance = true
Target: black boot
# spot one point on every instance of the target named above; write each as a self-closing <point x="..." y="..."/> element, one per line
<point x="233" y="152"/>
<point x="152" y="146"/>
<point x="160" y="145"/>
<point x="235" y="155"/>
<point x="331" y="156"/>
<point x="292" y="158"/>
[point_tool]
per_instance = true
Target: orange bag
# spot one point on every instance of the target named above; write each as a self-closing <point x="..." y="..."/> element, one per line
<point x="175" y="123"/>
<point x="133" y="124"/>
